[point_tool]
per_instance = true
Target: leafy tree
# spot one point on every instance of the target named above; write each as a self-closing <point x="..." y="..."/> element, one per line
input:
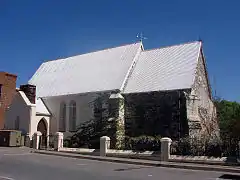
<point x="229" y="118"/>
<point x="88" y="133"/>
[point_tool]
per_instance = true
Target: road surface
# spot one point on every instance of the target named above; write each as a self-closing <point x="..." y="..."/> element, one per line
<point x="19" y="164"/>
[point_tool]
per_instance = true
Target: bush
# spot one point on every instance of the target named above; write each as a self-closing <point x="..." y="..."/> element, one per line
<point x="196" y="146"/>
<point x="214" y="147"/>
<point x="66" y="143"/>
<point x="143" y="143"/>
<point x="181" y="147"/>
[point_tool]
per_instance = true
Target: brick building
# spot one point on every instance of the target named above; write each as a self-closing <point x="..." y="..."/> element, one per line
<point x="7" y="91"/>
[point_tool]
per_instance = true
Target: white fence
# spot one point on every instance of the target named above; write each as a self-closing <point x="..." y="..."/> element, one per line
<point x="162" y="155"/>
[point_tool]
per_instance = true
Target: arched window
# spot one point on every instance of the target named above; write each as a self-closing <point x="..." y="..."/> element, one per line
<point x="17" y="123"/>
<point x="62" y="119"/>
<point x="72" y="116"/>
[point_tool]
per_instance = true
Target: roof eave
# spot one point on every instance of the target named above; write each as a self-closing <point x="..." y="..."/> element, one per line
<point x="170" y="90"/>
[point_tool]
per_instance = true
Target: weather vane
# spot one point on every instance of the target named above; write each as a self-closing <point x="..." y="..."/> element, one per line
<point x="141" y="37"/>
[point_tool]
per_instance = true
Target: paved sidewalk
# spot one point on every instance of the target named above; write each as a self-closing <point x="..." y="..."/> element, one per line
<point x="191" y="166"/>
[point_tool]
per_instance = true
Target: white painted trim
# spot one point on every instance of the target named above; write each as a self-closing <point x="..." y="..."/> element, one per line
<point x="130" y="70"/>
<point x="206" y="73"/>
<point x="195" y="72"/>
<point x="26" y="100"/>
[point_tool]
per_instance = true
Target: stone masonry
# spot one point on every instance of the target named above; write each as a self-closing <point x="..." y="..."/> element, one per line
<point x="201" y="111"/>
<point x="173" y="114"/>
<point x="156" y="113"/>
<point x="110" y="107"/>
<point x="116" y="115"/>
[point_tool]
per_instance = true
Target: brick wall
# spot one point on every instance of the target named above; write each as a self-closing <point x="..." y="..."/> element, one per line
<point x="8" y="90"/>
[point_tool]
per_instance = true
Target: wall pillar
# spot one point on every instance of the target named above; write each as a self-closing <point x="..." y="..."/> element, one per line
<point x="36" y="139"/>
<point x="58" y="141"/>
<point x="116" y="114"/>
<point x="22" y="140"/>
<point x="104" y="145"/>
<point x="165" y="148"/>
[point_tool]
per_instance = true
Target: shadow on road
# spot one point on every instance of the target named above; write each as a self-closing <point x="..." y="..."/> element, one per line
<point x="230" y="176"/>
<point x="131" y="168"/>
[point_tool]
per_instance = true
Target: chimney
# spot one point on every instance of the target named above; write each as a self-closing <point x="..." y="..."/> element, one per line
<point x="30" y="92"/>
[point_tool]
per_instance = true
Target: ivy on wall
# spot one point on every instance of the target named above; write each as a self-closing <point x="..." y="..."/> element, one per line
<point x="156" y="113"/>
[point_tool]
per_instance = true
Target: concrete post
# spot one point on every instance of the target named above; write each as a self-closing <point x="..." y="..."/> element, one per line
<point x="22" y="140"/>
<point x="58" y="141"/>
<point x="165" y="148"/>
<point x="36" y="139"/>
<point x="27" y="140"/>
<point x="104" y="145"/>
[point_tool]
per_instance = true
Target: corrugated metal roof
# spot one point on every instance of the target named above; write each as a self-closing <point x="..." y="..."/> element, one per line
<point x="97" y="71"/>
<point x="164" y="69"/>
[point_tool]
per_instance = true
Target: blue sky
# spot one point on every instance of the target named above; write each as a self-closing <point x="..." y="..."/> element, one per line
<point x="32" y="32"/>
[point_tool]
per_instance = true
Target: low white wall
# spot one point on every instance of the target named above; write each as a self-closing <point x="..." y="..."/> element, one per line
<point x="151" y="155"/>
<point x="198" y="159"/>
<point x="81" y="151"/>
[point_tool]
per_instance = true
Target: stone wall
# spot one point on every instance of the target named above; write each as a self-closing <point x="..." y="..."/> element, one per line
<point x="201" y="111"/>
<point x="156" y="113"/>
<point x="110" y="107"/>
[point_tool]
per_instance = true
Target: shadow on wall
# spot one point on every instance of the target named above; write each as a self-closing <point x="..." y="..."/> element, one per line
<point x="156" y="113"/>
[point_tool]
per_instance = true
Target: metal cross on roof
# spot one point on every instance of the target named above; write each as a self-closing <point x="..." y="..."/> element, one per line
<point x="141" y="37"/>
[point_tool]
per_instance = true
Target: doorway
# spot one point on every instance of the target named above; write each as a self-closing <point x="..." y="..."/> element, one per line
<point x="42" y="127"/>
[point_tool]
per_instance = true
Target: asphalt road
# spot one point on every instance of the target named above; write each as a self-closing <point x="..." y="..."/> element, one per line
<point x="19" y="164"/>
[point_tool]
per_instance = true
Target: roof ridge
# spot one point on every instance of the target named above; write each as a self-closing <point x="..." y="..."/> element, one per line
<point x="168" y="46"/>
<point x="138" y="42"/>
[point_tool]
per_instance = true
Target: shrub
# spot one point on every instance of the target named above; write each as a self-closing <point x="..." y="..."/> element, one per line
<point x="214" y="147"/>
<point x="143" y="143"/>
<point x="181" y="147"/>
<point x="66" y="143"/>
<point x="199" y="146"/>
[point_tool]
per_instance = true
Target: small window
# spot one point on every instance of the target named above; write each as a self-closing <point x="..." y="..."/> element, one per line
<point x="72" y="116"/>
<point x="62" y="119"/>
<point x="17" y="123"/>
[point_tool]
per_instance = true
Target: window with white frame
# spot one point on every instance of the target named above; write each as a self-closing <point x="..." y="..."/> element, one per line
<point x="72" y="116"/>
<point x="62" y="119"/>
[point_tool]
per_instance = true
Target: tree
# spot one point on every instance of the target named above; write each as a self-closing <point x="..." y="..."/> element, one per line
<point x="229" y="118"/>
<point x="88" y="133"/>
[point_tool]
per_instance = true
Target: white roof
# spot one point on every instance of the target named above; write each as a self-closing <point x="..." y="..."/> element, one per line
<point x="97" y="71"/>
<point x="168" y="68"/>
